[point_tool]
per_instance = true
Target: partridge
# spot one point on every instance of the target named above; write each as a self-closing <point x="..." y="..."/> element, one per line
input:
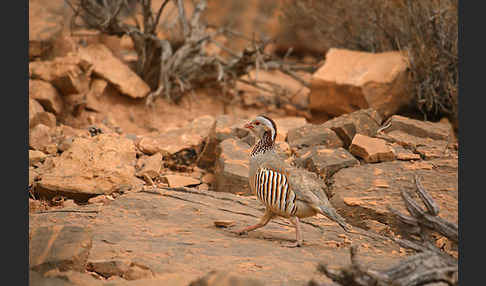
<point x="286" y="191"/>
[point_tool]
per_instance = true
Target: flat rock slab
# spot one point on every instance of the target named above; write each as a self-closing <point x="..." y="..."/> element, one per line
<point x="107" y="66"/>
<point x="364" y="192"/>
<point x="418" y="128"/>
<point x="65" y="247"/>
<point x="312" y="135"/>
<point x="92" y="166"/>
<point x="173" y="234"/>
<point x="324" y="161"/>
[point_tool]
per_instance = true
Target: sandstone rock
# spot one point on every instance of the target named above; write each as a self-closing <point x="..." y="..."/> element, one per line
<point x="232" y="166"/>
<point x="34" y="108"/>
<point x="426" y="147"/>
<point x="222" y="278"/>
<point x="311" y="135"/>
<point x="417" y="128"/>
<point x="372" y="150"/>
<point x="59" y="246"/>
<point x="46" y="95"/>
<point x="45" y="118"/>
<point x="97" y="89"/>
<point x="352" y="80"/>
<point x="176" y="181"/>
<point x="365" y="192"/>
<point x="208" y="178"/>
<point x="108" y="268"/>
<point x="70" y="74"/>
<point x="150" y="166"/>
<point x="40" y="138"/>
<point x="173" y="141"/>
<point x="323" y="161"/>
<point x="137" y="271"/>
<point x="224" y="127"/>
<point x="101" y="199"/>
<point x="107" y="66"/>
<point x="36" y="157"/>
<point x="33" y="175"/>
<point x="404" y="154"/>
<point x="92" y="166"/>
<point x="287" y="123"/>
<point x="364" y="121"/>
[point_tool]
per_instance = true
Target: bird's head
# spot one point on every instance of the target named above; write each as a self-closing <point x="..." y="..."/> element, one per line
<point x="263" y="126"/>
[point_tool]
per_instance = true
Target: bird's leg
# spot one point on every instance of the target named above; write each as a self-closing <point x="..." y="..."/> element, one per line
<point x="263" y="221"/>
<point x="298" y="234"/>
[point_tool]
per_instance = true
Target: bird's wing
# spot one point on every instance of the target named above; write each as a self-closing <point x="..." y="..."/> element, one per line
<point x="303" y="183"/>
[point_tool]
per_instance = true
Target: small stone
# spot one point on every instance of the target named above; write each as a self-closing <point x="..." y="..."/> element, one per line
<point x="372" y="150"/>
<point x="224" y="223"/>
<point x="176" y="181"/>
<point x="36" y="157"/>
<point x="208" y="178"/>
<point x="46" y="95"/>
<point x="45" y="118"/>
<point x="150" y="166"/>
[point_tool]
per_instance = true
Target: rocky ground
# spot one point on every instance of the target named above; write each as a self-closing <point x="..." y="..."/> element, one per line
<point x="126" y="194"/>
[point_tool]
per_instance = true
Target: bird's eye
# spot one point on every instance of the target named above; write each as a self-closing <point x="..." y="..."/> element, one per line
<point x="257" y="123"/>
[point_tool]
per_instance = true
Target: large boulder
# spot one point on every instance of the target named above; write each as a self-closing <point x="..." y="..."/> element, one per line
<point x="92" y="166"/>
<point x="352" y="80"/>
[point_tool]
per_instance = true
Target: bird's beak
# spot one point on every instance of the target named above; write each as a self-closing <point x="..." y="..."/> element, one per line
<point x="248" y="125"/>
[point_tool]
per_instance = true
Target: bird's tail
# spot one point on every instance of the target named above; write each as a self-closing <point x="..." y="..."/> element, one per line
<point x="331" y="213"/>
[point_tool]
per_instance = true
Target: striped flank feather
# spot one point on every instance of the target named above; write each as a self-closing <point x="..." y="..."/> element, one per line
<point x="273" y="190"/>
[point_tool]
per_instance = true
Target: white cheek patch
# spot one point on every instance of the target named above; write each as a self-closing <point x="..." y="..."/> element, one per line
<point x="268" y="124"/>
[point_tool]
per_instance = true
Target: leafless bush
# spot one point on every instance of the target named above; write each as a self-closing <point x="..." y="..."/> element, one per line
<point x="172" y="68"/>
<point x="427" y="31"/>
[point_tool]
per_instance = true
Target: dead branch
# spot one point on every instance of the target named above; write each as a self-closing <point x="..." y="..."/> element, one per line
<point x="172" y="68"/>
<point x="430" y="265"/>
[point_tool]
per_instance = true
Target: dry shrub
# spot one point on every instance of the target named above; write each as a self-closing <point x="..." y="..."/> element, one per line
<point x="426" y="30"/>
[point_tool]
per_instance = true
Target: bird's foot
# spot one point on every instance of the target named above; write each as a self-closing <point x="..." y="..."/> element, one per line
<point x="294" y="244"/>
